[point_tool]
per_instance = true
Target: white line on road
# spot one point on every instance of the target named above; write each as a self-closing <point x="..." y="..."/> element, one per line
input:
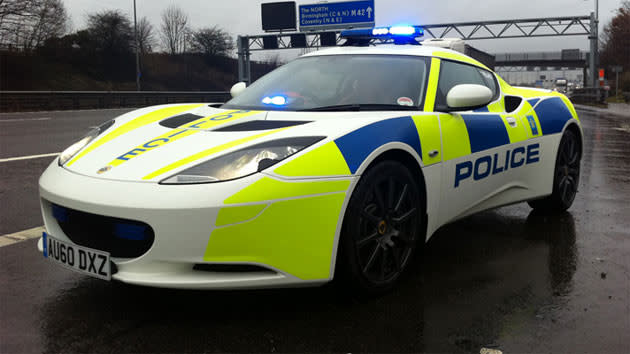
<point x="28" y="157"/>
<point x="24" y="119"/>
<point x="20" y="236"/>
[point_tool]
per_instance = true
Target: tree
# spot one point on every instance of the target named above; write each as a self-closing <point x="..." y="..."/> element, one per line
<point x="174" y="29"/>
<point x="110" y="31"/>
<point x="27" y="24"/>
<point x="212" y="42"/>
<point x="146" y="36"/>
<point x="616" y="43"/>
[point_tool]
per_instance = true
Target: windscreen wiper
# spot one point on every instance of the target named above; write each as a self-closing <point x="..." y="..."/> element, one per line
<point x="361" y="107"/>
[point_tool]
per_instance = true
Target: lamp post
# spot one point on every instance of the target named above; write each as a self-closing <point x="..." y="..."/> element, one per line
<point x="135" y="32"/>
<point x="594" y="39"/>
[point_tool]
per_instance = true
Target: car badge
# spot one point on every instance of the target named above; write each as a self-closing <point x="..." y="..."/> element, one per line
<point x="104" y="169"/>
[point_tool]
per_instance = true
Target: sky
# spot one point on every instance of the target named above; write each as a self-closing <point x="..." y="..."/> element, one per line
<point x="242" y="17"/>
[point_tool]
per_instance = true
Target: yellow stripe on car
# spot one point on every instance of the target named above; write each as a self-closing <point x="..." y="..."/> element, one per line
<point x="181" y="132"/>
<point x="325" y="160"/>
<point x="459" y="57"/>
<point x="134" y="124"/>
<point x="456" y="141"/>
<point x="434" y="76"/>
<point x="206" y="153"/>
<point x="429" y="133"/>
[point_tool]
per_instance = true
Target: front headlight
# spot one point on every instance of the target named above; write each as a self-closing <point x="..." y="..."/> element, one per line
<point x="243" y="162"/>
<point x="68" y="153"/>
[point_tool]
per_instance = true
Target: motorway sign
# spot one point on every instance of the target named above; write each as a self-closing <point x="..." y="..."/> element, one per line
<point x="337" y="15"/>
<point x="617" y="69"/>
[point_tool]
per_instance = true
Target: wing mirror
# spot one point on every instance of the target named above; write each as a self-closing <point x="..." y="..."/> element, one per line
<point x="468" y="97"/>
<point x="237" y="89"/>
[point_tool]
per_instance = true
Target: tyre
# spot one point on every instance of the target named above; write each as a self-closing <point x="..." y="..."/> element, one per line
<point x="381" y="229"/>
<point x="566" y="176"/>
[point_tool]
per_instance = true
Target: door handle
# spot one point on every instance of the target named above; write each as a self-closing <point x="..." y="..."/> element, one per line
<point x="433" y="153"/>
<point x="511" y="121"/>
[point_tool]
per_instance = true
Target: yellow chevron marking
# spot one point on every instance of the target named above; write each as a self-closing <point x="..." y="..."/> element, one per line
<point x="181" y="132"/>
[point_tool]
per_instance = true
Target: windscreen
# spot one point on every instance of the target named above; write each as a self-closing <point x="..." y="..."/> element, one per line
<point x="318" y="82"/>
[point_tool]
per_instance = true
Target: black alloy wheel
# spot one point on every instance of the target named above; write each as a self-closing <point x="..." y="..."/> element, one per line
<point x="381" y="227"/>
<point x="566" y="176"/>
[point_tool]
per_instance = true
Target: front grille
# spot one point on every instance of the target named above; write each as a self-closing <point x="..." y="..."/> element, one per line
<point x="230" y="268"/>
<point x="121" y="238"/>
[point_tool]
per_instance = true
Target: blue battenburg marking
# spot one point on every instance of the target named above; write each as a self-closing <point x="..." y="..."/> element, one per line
<point x="358" y="145"/>
<point x="533" y="101"/>
<point x="533" y="125"/>
<point x="129" y="231"/>
<point x="553" y="114"/>
<point x="45" y="243"/>
<point x="482" y="109"/>
<point x="485" y="131"/>
<point x="60" y="213"/>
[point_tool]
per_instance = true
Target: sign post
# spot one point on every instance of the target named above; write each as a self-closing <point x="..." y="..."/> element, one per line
<point x="617" y="69"/>
<point x="336" y="15"/>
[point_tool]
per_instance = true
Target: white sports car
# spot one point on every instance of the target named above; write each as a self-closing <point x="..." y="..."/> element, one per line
<point x="335" y="165"/>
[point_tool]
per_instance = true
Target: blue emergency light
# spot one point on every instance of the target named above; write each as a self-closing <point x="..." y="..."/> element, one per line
<point x="393" y="32"/>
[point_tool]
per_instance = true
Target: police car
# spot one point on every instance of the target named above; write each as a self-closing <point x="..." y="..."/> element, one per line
<point x="337" y="165"/>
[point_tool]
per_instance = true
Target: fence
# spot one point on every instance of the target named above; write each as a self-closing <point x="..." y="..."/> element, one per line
<point x="16" y="101"/>
<point x="589" y="95"/>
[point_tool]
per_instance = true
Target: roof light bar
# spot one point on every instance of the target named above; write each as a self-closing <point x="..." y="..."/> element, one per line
<point x="393" y="32"/>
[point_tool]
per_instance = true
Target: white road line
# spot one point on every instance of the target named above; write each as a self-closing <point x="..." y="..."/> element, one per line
<point x="23" y="119"/>
<point x="20" y="236"/>
<point x="29" y="157"/>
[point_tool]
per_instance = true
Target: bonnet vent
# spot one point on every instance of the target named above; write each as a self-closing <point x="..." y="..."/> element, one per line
<point x="177" y="121"/>
<point x="260" y="125"/>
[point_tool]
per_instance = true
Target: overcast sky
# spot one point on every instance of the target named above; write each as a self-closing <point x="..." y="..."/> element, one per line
<point x="243" y="16"/>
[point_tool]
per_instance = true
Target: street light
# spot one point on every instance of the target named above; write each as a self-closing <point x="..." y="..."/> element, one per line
<point x="135" y="32"/>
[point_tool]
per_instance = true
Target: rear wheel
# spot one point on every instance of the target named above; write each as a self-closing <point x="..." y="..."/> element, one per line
<point x="380" y="229"/>
<point x="566" y="176"/>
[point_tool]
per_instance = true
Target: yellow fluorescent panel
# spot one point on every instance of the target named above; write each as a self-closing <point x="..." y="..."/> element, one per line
<point x="295" y="236"/>
<point x="326" y="160"/>
<point x="270" y="189"/>
<point x="232" y="215"/>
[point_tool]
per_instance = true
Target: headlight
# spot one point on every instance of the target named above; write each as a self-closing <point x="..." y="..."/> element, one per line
<point x="68" y="153"/>
<point x="243" y="162"/>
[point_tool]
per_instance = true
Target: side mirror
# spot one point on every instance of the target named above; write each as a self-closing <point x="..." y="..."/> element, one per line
<point x="467" y="97"/>
<point x="237" y="89"/>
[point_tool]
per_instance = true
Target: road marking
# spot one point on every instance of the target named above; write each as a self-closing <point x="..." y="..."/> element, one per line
<point x="29" y="157"/>
<point x="20" y="236"/>
<point x="23" y="119"/>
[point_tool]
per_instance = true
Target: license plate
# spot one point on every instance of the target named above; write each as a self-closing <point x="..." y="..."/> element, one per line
<point x="81" y="259"/>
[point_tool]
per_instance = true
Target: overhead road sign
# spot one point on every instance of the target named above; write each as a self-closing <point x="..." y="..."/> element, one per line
<point x="278" y="16"/>
<point x="336" y="15"/>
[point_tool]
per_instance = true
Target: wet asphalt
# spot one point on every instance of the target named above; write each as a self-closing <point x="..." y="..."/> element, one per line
<point x="506" y="279"/>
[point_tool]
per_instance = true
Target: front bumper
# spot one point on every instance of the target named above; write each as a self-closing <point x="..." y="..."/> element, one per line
<point x="184" y="220"/>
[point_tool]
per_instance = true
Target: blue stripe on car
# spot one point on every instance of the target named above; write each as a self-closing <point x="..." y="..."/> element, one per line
<point x="358" y="145"/>
<point x="533" y="101"/>
<point x="485" y="131"/>
<point x="552" y="115"/>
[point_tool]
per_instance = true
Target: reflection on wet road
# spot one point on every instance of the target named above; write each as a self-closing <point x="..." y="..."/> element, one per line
<point x="508" y="279"/>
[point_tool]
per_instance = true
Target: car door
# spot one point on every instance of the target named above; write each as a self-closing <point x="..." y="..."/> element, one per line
<point x="478" y="146"/>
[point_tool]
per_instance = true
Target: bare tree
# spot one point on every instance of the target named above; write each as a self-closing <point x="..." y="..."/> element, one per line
<point x="212" y="42"/>
<point x="174" y="29"/>
<point x="146" y="36"/>
<point x="27" y="24"/>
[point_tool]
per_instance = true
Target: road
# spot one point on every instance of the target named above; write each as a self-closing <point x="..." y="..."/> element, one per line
<point x="505" y="279"/>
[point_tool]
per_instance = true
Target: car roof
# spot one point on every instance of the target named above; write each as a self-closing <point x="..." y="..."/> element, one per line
<point x="394" y="49"/>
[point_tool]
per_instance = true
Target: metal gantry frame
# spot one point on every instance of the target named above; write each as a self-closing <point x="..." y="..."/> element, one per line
<point x="520" y="28"/>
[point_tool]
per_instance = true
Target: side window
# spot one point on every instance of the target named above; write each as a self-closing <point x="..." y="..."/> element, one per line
<point x="452" y="74"/>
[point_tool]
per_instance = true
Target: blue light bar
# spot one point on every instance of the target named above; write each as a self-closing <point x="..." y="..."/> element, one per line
<point x="384" y="32"/>
<point x="275" y="100"/>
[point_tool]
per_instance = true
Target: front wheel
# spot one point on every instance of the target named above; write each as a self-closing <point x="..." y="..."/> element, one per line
<point x="381" y="228"/>
<point x="566" y="176"/>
